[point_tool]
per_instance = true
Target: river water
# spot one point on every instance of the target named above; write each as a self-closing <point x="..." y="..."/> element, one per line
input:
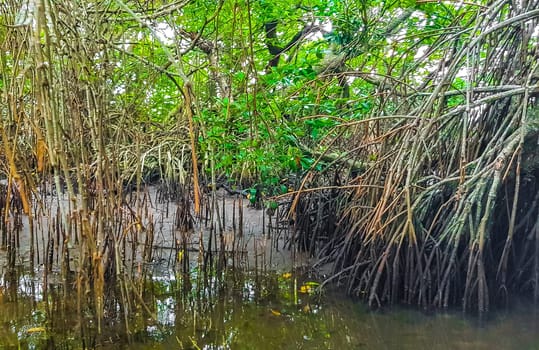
<point x="269" y="300"/>
<point x="240" y="310"/>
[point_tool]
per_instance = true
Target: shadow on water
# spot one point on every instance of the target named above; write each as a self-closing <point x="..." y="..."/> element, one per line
<point x="236" y="310"/>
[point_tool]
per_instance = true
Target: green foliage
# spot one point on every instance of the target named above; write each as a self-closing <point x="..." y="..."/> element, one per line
<point x="257" y="122"/>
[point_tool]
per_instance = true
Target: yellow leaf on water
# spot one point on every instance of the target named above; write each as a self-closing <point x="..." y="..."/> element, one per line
<point x="35" y="330"/>
<point x="275" y="312"/>
<point x="304" y="289"/>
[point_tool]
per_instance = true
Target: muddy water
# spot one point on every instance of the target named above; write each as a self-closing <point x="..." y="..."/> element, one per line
<point x="265" y="301"/>
<point x="239" y="310"/>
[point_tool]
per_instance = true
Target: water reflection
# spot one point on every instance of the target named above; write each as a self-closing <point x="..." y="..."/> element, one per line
<point x="233" y="310"/>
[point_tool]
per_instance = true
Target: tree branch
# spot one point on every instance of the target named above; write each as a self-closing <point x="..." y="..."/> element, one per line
<point x="271" y="37"/>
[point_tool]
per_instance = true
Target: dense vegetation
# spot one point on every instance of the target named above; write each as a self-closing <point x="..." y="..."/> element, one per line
<point x="405" y="131"/>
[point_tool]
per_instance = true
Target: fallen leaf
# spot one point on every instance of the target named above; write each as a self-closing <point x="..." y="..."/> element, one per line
<point x="35" y="330"/>
<point x="275" y="312"/>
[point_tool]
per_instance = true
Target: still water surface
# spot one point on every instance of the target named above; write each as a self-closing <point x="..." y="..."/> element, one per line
<point x="238" y="311"/>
